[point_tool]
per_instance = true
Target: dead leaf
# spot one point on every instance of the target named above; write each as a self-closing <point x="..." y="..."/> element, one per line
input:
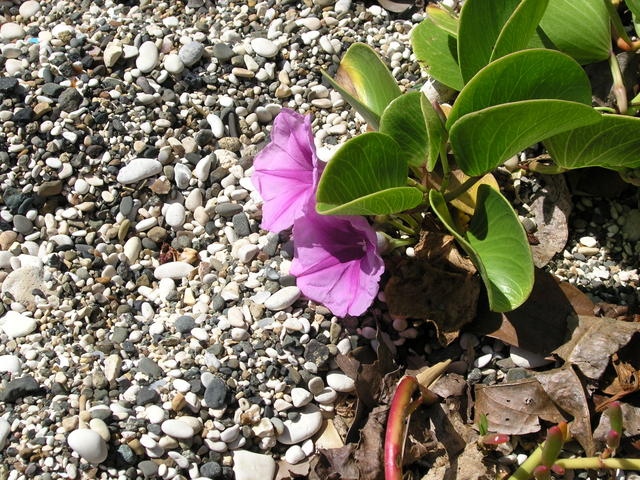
<point x="546" y="310"/>
<point x="335" y="464"/>
<point x="551" y="209"/>
<point x="627" y="380"/>
<point x="441" y="251"/>
<point x="286" y="471"/>
<point x="449" y="385"/>
<point x="370" y="453"/>
<point x="329" y="436"/>
<point x="594" y="341"/>
<point x="630" y="420"/>
<point x="515" y="408"/>
<point x="566" y="390"/>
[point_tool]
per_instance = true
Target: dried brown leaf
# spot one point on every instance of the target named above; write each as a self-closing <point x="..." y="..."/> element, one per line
<point x="449" y="385"/>
<point x="335" y="464"/>
<point x="515" y="408"/>
<point x="540" y="324"/>
<point x="551" y="209"/>
<point x="566" y="390"/>
<point x="594" y="341"/>
<point x="370" y="452"/>
<point x="286" y="471"/>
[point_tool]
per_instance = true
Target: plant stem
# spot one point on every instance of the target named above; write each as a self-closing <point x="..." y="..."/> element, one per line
<point x="617" y="23"/>
<point x="525" y="471"/>
<point x="444" y="159"/>
<point x="409" y="219"/>
<point x="619" y="90"/>
<point x="544" y="168"/>
<point x="466" y="185"/>
<point x="400" y="226"/>
<point x="417" y="185"/>
<point x="597" y="463"/>
<point x="396" y="424"/>
<point x="605" y="109"/>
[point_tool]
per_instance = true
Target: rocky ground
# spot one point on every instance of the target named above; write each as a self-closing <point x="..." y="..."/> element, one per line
<point x="149" y="327"/>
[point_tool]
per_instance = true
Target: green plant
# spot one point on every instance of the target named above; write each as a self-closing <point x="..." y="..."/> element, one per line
<point x="517" y="67"/>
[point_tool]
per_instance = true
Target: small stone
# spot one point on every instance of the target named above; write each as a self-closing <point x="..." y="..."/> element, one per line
<point x="265" y="48"/>
<point x="525" y="359"/>
<point x="139" y="169"/>
<point x="282" y="299"/>
<point x="112" y="53"/>
<point x="294" y="455"/>
<point x="29" y="9"/>
<point x="173" y="64"/>
<point x="184" y="324"/>
<point x="191" y="53"/>
<point x="11" y="31"/>
<point x="15" y="324"/>
<point x="175" y="215"/>
<point x="175" y="270"/>
<point x="88" y="444"/>
<point x="253" y="466"/>
<point x="483" y="360"/>
<point x="20" y="388"/>
<point x="98" y="426"/>
<point x="177" y="429"/>
<point x="147" y="57"/>
<point x="155" y="414"/>
<point x="70" y="100"/>
<point x="5" y="431"/>
<point x="21" y="284"/>
<point x="631" y="226"/>
<point x="246" y="253"/>
<point x="316" y="385"/>
<point x="326" y="396"/>
<point x="132" y="249"/>
<point x="148" y="468"/>
<point x="340" y="382"/>
<point x="307" y="425"/>
<point x="50" y="189"/>
<point x="215" y="395"/>
<point x="588" y="242"/>
<point x="300" y="397"/>
<point x="11" y="364"/>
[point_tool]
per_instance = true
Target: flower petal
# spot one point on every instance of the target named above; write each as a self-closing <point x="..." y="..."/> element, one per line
<point x="286" y="170"/>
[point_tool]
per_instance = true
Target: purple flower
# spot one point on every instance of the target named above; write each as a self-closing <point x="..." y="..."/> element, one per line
<point x="336" y="261"/>
<point x="287" y="170"/>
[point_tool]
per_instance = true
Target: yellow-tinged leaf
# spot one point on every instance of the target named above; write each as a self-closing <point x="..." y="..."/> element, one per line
<point x="466" y="202"/>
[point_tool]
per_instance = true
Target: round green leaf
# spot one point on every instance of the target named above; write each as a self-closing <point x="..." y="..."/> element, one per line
<point x="435" y="131"/>
<point x="366" y="176"/>
<point x="365" y="82"/>
<point x="489" y="29"/>
<point x="527" y="75"/>
<point x="484" y="139"/>
<point x="613" y="142"/>
<point x="438" y="51"/>
<point x="403" y="121"/>
<point x="580" y="28"/>
<point x="497" y="244"/>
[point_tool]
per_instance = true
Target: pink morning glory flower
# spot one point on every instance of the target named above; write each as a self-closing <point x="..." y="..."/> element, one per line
<point x="286" y="170"/>
<point x="336" y="261"/>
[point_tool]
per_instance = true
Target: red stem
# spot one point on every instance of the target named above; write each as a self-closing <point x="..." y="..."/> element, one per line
<point x="401" y="406"/>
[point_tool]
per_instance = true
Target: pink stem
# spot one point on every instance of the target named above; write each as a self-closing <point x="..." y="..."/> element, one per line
<point x="396" y="425"/>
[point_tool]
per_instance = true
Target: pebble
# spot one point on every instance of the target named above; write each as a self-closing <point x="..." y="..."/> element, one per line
<point x="173" y="64"/>
<point x="191" y="53"/>
<point x="525" y="359"/>
<point x="89" y="445"/>
<point x="147" y="57"/>
<point x="11" y="364"/>
<point x="139" y="169"/>
<point x="15" y="324"/>
<point x="300" y="397"/>
<point x="5" y="431"/>
<point x="340" y="382"/>
<point x="175" y="215"/>
<point x="112" y="53"/>
<point x="22" y="283"/>
<point x="11" y="31"/>
<point x="294" y="455"/>
<point x="265" y="48"/>
<point x="253" y="466"/>
<point x="307" y="425"/>
<point x="175" y="270"/>
<point x="29" y="9"/>
<point x="282" y="299"/>
<point x="177" y="429"/>
<point x="132" y="249"/>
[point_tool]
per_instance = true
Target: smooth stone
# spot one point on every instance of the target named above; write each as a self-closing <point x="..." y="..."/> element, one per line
<point x="217" y="127"/>
<point x="112" y="53"/>
<point x="132" y="249"/>
<point x="22" y="224"/>
<point x="194" y="200"/>
<point x="307" y="425"/>
<point x="88" y="444"/>
<point x="5" y="431"/>
<point x="16" y="325"/>
<point x="147" y="57"/>
<point x="265" y="48"/>
<point x="253" y="466"/>
<point x="283" y="298"/>
<point x="300" y="397"/>
<point x="13" y="66"/>
<point x="177" y="429"/>
<point x="525" y="359"/>
<point x="326" y="396"/>
<point x="28" y="9"/>
<point x="175" y="215"/>
<point x="173" y="64"/>
<point x="139" y="169"/>
<point x="483" y="360"/>
<point x="202" y="168"/>
<point x="631" y="226"/>
<point x="215" y="394"/>
<point x="589" y="242"/>
<point x="294" y="454"/>
<point x="11" y="31"/>
<point x="11" y="364"/>
<point x="181" y="175"/>
<point x="340" y="382"/>
<point x="175" y="270"/>
<point x="98" y="426"/>
<point x="191" y="53"/>
<point x="155" y="414"/>
<point x="246" y="253"/>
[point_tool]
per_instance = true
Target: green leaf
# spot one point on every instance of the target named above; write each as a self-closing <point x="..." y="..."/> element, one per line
<point x="521" y="26"/>
<point x="443" y="19"/>
<point x="634" y="6"/>
<point x="580" y="28"/>
<point x="365" y="82"/>
<point x="438" y="51"/>
<point x="497" y="244"/>
<point x="527" y="75"/>
<point x="613" y="142"/>
<point x="366" y="176"/>
<point x="436" y="132"/>
<point x="490" y="29"/>
<point x="484" y="139"/>
<point x="403" y="121"/>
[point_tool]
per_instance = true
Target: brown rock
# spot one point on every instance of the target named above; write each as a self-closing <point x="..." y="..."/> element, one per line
<point x="7" y="238"/>
<point x="50" y="189"/>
